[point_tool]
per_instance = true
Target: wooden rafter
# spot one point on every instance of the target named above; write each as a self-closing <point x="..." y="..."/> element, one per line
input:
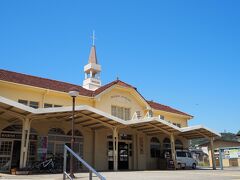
<point x="137" y="125"/>
<point x="9" y="108"/>
<point x="163" y="130"/>
<point x="13" y="113"/>
<point x="146" y="128"/>
<point x="80" y="122"/>
<point x="98" y="127"/>
<point x="44" y="116"/>
<point x="149" y="131"/>
<point x="91" y="124"/>
<point x="154" y="133"/>
<point x="100" y="121"/>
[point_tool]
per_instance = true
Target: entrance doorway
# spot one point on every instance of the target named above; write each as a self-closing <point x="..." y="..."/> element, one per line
<point x="5" y="155"/>
<point x="123" y="155"/>
<point x="10" y="147"/>
<point x="16" y="154"/>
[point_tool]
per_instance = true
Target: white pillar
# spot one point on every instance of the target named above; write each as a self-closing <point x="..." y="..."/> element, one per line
<point x="24" y="142"/>
<point x="212" y="154"/>
<point x="115" y="149"/>
<point x="94" y="150"/>
<point x="173" y="151"/>
<point x="135" y="152"/>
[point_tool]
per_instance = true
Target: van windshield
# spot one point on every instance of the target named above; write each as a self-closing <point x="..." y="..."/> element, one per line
<point x="189" y="155"/>
<point x="181" y="154"/>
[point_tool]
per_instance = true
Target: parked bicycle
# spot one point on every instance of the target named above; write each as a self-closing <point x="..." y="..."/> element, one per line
<point x="44" y="166"/>
<point x="50" y="165"/>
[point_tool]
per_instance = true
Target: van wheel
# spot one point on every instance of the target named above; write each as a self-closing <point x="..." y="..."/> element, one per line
<point x="193" y="166"/>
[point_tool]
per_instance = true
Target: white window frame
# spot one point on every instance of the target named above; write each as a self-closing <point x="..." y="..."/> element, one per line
<point x="121" y="112"/>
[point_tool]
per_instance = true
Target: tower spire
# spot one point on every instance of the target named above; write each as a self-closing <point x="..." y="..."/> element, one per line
<point x="92" y="69"/>
<point x="93" y="55"/>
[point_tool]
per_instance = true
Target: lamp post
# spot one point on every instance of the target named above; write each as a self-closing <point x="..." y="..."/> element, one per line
<point x="73" y="93"/>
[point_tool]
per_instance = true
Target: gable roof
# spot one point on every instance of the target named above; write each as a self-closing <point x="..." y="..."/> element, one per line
<point x="65" y="87"/>
<point x="116" y="82"/>
<point x="162" y="107"/>
<point x="119" y="83"/>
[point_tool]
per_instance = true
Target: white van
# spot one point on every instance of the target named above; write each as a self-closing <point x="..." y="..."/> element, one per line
<point x="185" y="159"/>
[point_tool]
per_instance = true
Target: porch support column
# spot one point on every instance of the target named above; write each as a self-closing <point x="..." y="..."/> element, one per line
<point x="24" y="142"/>
<point x="173" y="151"/>
<point x="115" y="149"/>
<point x="94" y="150"/>
<point x="136" y="150"/>
<point x="212" y="153"/>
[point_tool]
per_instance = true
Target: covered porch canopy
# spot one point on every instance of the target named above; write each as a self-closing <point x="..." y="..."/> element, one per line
<point x="154" y="125"/>
<point x="89" y="117"/>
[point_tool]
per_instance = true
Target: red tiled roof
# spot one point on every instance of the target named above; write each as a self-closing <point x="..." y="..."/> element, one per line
<point x="41" y="82"/>
<point x="65" y="87"/>
<point x="161" y="107"/>
<point x="116" y="82"/>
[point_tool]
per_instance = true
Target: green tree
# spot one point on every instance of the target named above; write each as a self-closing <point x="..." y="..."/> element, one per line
<point x="238" y="134"/>
<point x="228" y="136"/>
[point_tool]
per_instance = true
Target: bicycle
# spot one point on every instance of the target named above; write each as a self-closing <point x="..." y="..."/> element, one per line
<point x="42" y="166"/>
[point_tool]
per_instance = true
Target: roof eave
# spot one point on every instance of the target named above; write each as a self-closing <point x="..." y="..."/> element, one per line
<point x="176" y="114"/>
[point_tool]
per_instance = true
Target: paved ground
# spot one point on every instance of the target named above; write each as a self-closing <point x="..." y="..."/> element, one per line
<point x="233" y="173"/>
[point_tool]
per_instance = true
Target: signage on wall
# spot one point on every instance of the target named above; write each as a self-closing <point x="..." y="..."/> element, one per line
<point x="10" y="135"/>
<point x="42" y="147"/>
<point x="121" y="98"/>
<point x="42" y="150"/>
<point x="231" y="153"/>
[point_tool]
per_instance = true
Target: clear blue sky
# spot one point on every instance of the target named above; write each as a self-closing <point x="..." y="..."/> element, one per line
<point x="185" y="54"/>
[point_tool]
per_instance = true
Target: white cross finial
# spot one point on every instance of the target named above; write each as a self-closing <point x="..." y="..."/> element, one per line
<point x="93" y="38"/>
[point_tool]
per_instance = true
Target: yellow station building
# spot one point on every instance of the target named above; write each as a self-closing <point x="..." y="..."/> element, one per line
<point x="116" y="128"/>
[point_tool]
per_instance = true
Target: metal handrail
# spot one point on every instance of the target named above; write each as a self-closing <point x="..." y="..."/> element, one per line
<point x="91" y="170"/>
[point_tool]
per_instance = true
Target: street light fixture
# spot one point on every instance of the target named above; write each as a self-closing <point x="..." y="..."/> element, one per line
<point x="73" y="93"/>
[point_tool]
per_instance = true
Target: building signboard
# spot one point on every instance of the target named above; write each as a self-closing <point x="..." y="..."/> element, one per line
<point x="42" y="147"/>
<point x="10" y="135"/>
<point x="231" y="153"/>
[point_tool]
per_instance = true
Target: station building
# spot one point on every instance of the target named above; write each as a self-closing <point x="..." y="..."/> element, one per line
<point x="116" y="128"/>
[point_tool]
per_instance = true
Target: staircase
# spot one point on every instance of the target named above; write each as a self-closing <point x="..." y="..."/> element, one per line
<point x="91" y="170"/>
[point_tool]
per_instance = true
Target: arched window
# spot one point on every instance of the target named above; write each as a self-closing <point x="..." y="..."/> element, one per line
<point x="78" y="137"/>
<point x="78" y="144"/>
<point x="17" y="128"/>
<point x="56" y="134"/>
<point x="178" y="144"/>
<point x="56" y="131"/>
<point x="166" y="144"/>
<point x="155" y="147"/>
<point x="13" y="128"/>
<point x="76" y="133"/>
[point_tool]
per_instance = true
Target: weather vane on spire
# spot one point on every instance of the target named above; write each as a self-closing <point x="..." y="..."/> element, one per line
<point x="93" y="38"/>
